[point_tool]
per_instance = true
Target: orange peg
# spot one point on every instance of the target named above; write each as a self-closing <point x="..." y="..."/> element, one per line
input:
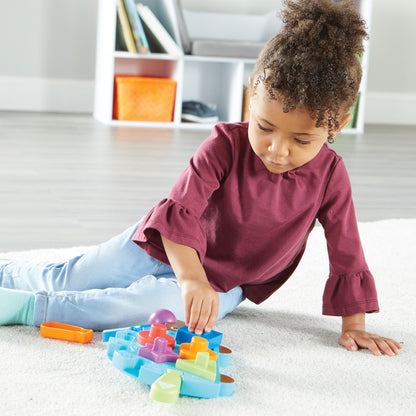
<point x="188" y="351"/>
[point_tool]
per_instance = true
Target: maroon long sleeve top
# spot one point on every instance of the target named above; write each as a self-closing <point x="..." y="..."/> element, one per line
<point x="250" y="226"/>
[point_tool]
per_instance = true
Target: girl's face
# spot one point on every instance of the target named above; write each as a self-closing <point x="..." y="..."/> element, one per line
<point x="283" y="141"/>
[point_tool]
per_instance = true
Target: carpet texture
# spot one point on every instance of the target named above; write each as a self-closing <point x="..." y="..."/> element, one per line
<point x="286" y="357"/>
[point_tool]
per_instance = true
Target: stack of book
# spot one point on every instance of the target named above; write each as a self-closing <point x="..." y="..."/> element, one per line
<point x="139" y="31"/>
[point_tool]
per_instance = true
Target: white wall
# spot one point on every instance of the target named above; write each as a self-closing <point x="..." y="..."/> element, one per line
<point x="392" y="81"/>
<point x="47" y="56"/>
<point x="232" y="6"/>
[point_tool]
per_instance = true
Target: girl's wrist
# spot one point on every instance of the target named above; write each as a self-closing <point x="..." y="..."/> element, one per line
<point x="354" y="322"/>
<point x="193" y="280"/>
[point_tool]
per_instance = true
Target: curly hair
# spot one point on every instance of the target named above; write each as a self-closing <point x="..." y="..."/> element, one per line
<point x="314" y="61"/>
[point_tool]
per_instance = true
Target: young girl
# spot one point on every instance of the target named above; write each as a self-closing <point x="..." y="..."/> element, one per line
<point x="236" y="222"/>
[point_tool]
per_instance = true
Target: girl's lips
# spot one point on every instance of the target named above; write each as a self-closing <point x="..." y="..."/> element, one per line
<point x="275" y="167"/>
<point x="279" y="165"/>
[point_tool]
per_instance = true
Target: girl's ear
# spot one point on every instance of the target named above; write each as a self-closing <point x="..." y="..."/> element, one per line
<point x="348" y="117"/>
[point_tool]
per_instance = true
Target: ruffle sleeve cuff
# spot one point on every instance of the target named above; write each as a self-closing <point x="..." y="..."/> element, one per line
<point x="349" y="294"/>
<point x="176" y="223"/>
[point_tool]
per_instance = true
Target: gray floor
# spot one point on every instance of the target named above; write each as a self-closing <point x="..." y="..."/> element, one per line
<point x="68" y="180"/>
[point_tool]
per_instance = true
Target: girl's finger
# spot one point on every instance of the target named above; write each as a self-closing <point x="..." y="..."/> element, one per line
<point x="204" y="316"/>
<point x="372" y="346"/>
<point x="195" y="309"/>
<point x="348" y="342"/>
<point x="214" y="314"/>
<point x="384" y="347"/>
<point x="187" y="305"/>
<point x="393" y="346"/>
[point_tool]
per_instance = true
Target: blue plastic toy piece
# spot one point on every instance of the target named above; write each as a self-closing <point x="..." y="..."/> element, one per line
<point x="147" y="365"/>
<point x="184" y="335"/>
<point x="224" y="356"/>
<point x="108" y="333"/>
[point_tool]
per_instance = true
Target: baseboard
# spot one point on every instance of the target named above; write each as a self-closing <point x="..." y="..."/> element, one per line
<point x="77" y="96"/>
<point x="46" y="94"/>
<point x="390" y="108"/>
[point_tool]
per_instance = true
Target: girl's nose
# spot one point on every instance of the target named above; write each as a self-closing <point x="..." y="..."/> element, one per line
<point x="279" y="148"/>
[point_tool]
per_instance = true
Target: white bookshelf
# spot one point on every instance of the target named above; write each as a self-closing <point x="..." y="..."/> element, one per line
<point x="214" y="80"/>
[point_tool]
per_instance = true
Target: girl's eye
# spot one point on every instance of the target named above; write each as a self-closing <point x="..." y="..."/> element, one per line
<point x="263" y="128"/>
<point x="304" y="142"/>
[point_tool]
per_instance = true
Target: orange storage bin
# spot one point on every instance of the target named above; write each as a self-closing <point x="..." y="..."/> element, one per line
<point x="144" y="98"/>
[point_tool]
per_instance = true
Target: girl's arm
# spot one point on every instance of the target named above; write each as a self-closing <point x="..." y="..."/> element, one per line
<point x="354" y="336"/>
<point x="200" y="299"/>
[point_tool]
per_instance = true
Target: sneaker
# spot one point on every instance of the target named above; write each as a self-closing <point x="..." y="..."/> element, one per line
<point x="198" y="112"/>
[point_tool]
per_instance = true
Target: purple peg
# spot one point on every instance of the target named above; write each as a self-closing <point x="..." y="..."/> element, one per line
<point x="161" y="316"/>
<point x="159" y="352"/>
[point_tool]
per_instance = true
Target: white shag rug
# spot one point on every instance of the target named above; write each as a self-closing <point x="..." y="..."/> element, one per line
<point x="286" y="358"/>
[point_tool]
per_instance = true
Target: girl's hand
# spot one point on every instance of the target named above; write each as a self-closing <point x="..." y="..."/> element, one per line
<point x="201" y="301"/>
<point x="354" y="339"/>
<point x="201" y="305"/>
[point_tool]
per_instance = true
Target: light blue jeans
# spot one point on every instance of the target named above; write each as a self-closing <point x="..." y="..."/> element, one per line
<point x="114" y="284"/>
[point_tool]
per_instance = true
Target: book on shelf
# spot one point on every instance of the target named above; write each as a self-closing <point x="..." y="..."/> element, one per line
<point x="125" y="27"/>
<point x="157" y="35"/>
<point x="142" y="45"/>
<point x="181" y="27"/>
<point x="120" y="42"/>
